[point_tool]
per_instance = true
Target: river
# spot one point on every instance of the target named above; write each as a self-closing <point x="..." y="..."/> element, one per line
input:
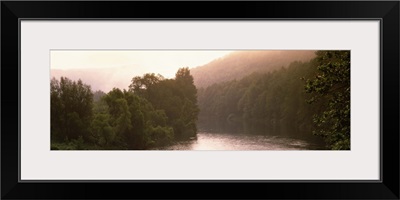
<point x="240" y="142"/>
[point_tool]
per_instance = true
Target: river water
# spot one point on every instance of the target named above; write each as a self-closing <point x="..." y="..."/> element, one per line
<point x="240" y="142"/>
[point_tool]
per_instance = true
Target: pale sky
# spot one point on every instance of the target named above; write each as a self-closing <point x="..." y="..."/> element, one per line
<point x="165" y="62"/>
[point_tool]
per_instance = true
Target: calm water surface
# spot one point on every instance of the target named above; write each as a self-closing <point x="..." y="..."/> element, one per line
<point x="224" y="141"/>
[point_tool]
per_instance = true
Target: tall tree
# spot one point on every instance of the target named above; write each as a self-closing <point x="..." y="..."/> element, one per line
<point x="71" y="108"/>
<point x="189" y="109"/>
<point x="185" y="83"/>
<point x="332" y="83"/>
<point x="141" y="84"/>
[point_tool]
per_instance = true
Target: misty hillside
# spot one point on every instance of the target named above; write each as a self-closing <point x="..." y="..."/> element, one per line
<point x="239" y="64"/>
<point x="104" y="79"/>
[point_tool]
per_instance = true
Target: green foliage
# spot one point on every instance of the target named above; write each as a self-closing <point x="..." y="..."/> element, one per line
<point x="98" y="95"/>
<point x="102" y="132"/>
<point x="71" y="109"/>
<point x="153" y="112"/>
<point x="140" y="84"/>
<point x="273" y="102"/>
<point x="276" y="102"/>
<point x="160" y="135"/>
<point x="75" y="144"/>
<point x="186" y="84"/>
<point x="332" y="84"/>
<point x="176" y="98"/>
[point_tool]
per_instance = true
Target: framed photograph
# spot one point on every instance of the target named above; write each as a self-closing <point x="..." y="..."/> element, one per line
<point x="277" y="100"/>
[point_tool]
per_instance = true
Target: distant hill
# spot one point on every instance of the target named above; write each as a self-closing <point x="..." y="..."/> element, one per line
<point x="242" y="63"/>
<point x="103" y="78"/>
<point x="235" y="65"/>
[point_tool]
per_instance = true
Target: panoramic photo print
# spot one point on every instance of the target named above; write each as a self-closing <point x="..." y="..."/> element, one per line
<point x="200" y="100"/>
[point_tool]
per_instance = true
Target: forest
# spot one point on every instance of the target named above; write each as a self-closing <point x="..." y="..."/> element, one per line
<point x="154" y="111"/>
<point x="301" y="99"/>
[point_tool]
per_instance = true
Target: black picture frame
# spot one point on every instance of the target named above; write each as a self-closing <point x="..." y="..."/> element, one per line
<point x="386" y="11"/>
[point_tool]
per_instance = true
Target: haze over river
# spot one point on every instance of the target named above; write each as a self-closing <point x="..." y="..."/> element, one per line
<point x="240" y="142"/>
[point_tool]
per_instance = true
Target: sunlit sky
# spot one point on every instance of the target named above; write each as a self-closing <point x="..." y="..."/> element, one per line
<point x="165" y="62"/>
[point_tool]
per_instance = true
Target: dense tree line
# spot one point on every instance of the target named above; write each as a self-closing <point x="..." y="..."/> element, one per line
<point x="301" y="100"/>
<point x="273" y="102"/>
<point x="153" y="112"/>
<point x="298" y="100"/>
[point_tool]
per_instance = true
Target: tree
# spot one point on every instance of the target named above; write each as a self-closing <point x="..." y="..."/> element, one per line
<point x="140" y="84"/>
<point x="136" y="124"/>
<point x="120" y="117"/>
<point x="170" y="101"/>
<point x="185" y="125"/>
<point x="56" y="110"/>
<point x="186" y="84"/>
<point x="332" y="83"/>
<point x="267" y="103"/>
<point x="103" y="133"/>
<point x="98" y="95"/>
<point x="147" y="115"/>
<point x="71" y="109"/>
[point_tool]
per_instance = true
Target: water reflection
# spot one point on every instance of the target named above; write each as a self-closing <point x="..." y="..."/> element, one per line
<point x="224" y="141"/>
